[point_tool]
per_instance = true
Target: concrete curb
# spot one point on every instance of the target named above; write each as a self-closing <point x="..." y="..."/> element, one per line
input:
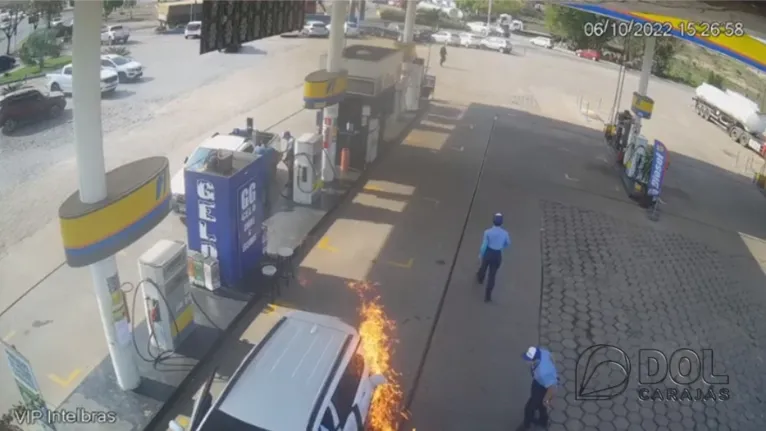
<point x="306" y="243"/>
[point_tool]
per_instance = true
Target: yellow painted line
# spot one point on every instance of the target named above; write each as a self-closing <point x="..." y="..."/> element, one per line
<point x="9" y="335"/>
<point x="406" y="265"/>
<point x="324" y="244"/>
<point x="371" y="188"/>
<point x="65" y="381"/>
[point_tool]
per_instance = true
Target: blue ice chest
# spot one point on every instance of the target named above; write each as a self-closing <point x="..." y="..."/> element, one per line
<point x="225" y="210"/>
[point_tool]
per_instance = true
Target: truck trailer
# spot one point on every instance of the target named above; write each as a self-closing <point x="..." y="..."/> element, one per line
<point x="735" y="113"/>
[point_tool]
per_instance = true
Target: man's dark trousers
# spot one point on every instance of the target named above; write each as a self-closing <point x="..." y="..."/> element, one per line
<point x="490" y="262"/>
<point x="535" y="403"/>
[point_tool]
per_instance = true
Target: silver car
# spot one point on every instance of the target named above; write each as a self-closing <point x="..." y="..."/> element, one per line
<point x="498" y="44"/>
<point x="446" y="37"/>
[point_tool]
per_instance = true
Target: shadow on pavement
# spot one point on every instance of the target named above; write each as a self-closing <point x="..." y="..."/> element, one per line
<point x="586" y="267"/>
<point x="143" y="80"/>
<point x="39" y="127"/>
<point x="119" y="94"/>
<point x="248" y="49"/>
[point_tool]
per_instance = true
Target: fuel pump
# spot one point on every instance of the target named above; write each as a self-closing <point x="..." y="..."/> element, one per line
<point x="167" y="298"/>
<point x="308" y="161"/>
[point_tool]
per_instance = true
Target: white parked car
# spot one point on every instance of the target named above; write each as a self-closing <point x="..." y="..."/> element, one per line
<point x="447" y="37"/>
<point x="62" y="80"/>
<point x="542" y="42"/>
<point x="315" y="29"/>
<point x="112" y="34"/>
<point x="193" y="30"/>
<point x="307" y="373"/>
<point x="128" y="70"/>
<point x="495" y="43"/>
<point x="351" y="29"/>
<point x="468" y="40"/>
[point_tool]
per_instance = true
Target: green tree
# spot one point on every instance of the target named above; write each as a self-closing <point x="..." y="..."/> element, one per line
<point x="429" y="17"/>
<point x="511" y="7"/>
<point x="48" y="9"/>
<point x="715" y="80"/>
<point x="10" y="27"/>
<point x="110" y="6"/>
<point x="665" y="49"/>
<point x="570" y="24"/>
<point x="41" y="44"/>
<point x="129" y="5"/>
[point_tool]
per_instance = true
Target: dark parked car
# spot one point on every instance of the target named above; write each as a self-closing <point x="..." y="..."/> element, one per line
<point x="28" y="105"/>
<point x="422" y="36"/>
<point x="6" y="63"/>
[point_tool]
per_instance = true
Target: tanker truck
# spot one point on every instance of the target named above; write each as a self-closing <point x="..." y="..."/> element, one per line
<point x="739" y="116"/>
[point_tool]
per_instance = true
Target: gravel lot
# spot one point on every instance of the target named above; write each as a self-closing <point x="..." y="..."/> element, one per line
<point x="31" y="161"/>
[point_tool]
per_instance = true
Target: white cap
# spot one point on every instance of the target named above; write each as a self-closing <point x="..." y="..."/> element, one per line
<point x="530" y="354"/>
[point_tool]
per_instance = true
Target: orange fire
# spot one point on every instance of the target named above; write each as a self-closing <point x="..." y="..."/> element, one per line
<point x="376" y="330"/>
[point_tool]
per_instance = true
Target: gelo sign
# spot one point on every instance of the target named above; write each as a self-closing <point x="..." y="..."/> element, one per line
<point x="207" y="219"/>
<point x="248" y="204"/>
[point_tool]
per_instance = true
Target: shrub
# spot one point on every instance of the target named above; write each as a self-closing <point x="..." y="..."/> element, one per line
<point x="39" y="45"/>
<point x="117" y="50"/>
<point x="715" y="79"/>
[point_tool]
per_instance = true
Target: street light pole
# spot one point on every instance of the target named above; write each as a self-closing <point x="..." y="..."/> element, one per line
<point x="489" y="18"/>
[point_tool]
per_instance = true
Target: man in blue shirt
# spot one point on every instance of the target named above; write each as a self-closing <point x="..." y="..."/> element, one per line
<point x="544" y="381"/>
<point x="496" y="239"/>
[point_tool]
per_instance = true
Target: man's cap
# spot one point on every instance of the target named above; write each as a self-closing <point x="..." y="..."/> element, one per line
<point x="497" y="219"/>
<point x="532" y="354"/>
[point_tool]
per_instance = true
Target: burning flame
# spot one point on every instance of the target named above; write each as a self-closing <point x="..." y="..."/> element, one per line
<point x="377" y="344"/>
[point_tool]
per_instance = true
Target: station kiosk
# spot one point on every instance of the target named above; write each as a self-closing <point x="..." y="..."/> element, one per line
<point x="226" y="210"/>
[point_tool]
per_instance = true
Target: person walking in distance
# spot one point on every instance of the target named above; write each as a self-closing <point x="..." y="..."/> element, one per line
<point x="544" y="381"/>
<point x="443" y="55"/>
<point x="495" y="240"/>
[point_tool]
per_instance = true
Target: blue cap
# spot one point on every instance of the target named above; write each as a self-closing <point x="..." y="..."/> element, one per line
<point x="497" y="220"/>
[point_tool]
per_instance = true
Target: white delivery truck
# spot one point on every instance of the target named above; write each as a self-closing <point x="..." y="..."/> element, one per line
<point x="739" y="116"/>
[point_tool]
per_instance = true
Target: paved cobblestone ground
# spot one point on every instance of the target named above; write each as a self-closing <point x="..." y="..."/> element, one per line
<point x="609" y="282"/>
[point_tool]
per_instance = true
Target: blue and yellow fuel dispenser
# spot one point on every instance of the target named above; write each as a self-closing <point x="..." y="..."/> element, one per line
<point x="226" y="210"/>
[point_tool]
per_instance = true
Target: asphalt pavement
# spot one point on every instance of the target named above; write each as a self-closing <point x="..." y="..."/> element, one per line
<point x="507" y="133"/>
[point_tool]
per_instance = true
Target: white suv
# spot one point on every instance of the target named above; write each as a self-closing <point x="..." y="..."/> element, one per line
<point x="497" y="44"/>
<point x="468" y="40"/>
<point x="308" y="373"/>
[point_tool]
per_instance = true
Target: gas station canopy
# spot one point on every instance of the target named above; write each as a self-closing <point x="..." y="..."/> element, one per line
<point x="702" y="15"/>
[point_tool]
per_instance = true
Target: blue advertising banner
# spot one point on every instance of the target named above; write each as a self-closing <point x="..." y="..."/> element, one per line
<point x="657" y="173"/>
<point x="248" y="223"/>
